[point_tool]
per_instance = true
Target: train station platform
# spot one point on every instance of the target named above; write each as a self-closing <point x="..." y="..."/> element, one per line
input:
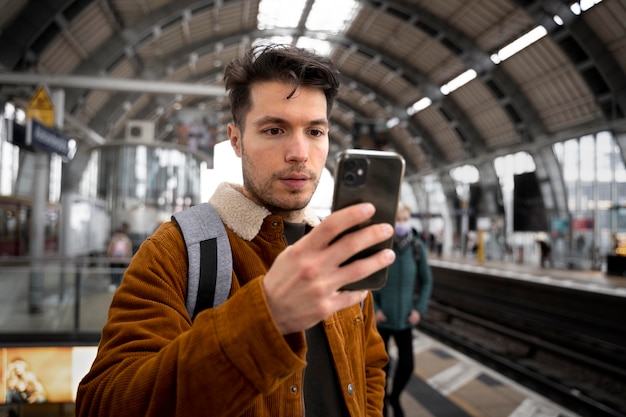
<point x="445" y="383"/>
<point x="585" y="280"/>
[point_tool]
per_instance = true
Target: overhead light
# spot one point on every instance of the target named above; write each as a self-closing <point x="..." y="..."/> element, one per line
<point x="458" y="82"/>
<point x="419" y="105"/>
<point x="325" y="17"/>
<point x="282" y="40"/>
<point x="393" y="122"/>
<point x="321" y="47"/>
<point x="520" y="43"/>
<point x="332" y="16"/>
<point x="539" y="32"/>
<point x="275" y="14"/>
<point x="582" y="6"/>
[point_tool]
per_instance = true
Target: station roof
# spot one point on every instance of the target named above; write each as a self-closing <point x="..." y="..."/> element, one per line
<point x="392" y="54"/>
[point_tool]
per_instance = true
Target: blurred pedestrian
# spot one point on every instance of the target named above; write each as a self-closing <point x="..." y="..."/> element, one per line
<point x="119" y="252"/>
<point x="545" y="252"/>
<point x="402" y="303"/>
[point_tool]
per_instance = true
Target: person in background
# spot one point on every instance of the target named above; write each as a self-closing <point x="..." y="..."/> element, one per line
<point x="287" y="342"/>
<point x="401" y="304"/>
<point x="119" y="251"/>
<point x="545" y="253"/>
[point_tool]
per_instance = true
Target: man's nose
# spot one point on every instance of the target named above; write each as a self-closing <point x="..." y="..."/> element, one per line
<point x="298" y="148"/>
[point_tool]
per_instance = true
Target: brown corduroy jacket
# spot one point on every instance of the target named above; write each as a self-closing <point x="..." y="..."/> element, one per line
<point x="232" y="360"/>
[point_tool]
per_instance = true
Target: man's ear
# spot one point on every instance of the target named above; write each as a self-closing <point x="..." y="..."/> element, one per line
<point x="234" y="135"/>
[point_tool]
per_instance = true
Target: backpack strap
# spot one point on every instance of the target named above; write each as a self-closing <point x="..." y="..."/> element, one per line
<point x="209" y="257"/>
<point x="417" y="250"/>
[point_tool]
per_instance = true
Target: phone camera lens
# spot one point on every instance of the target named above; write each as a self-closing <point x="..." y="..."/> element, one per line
<point x="350" y="177"/>
<point x="354" y="172"/>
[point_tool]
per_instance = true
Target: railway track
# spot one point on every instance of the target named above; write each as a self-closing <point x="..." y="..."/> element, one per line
<point x="577" y="360"/>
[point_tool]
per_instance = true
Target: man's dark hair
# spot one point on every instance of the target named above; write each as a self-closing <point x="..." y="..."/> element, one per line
<point x="284" y="63"/>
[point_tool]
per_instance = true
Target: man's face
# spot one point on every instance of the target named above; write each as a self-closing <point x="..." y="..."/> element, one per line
<point x="283" y="146"/>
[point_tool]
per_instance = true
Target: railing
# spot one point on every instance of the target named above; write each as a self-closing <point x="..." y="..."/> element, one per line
<point x="54" y="295"/>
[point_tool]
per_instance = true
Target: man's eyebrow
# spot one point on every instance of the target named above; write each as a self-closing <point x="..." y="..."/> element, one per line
<point x="280" y="120"/>
<point x="268" y="119"/>
<point x="319" y="122"/>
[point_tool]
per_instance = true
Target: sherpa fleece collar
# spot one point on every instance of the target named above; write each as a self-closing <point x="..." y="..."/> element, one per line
<point x="243" y="216"/>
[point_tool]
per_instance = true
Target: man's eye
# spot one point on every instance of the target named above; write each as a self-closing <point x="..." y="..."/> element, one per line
<point x="273" y="131"/>
<point x="316" y="132"/>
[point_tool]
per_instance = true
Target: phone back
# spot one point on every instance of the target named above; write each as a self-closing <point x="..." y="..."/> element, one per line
<point x="374" y="177"/>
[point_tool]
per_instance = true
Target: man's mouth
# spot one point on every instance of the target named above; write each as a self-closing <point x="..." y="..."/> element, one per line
<point x="295" y="181"/>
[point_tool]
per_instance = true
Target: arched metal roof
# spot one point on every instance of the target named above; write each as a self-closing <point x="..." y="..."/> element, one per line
<point x="569" y="83"/>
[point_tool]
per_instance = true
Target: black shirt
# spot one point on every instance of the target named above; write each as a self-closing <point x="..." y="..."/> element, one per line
<point x="322" y="393"/>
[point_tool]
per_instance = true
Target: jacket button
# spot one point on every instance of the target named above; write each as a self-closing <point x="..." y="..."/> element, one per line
<point x="350" y="389"/>
<point x="274" y="224"/>
<point x="293" y="389"/>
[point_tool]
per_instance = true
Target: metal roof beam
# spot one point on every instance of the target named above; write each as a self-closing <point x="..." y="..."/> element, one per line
<point x="18" y="37"/>
<point x="474" y="58"/>
<point x="598" y="57"/>
<point x="112" y="84"/>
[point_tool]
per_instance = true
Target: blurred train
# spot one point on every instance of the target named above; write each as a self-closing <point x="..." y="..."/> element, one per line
<point x="15" y="226"/>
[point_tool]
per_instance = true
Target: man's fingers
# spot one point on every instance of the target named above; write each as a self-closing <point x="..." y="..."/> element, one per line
<point x="338" y="222"/>
<point x="354" y="242"/>
<point x="362" y="268"/>
<point x="338" y="251"/>
<point x="345" y="299"/>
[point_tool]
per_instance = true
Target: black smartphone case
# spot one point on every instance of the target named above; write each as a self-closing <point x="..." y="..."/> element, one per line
<point x="374" y="177"/>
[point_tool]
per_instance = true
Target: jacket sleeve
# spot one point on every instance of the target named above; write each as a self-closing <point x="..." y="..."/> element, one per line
<point x="375" y="359"/>
<point x="424" y="282"/>
<point x="152" y="361"/>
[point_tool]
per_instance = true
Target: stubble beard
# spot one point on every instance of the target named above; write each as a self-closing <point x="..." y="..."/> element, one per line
<point x="260" y="190"/>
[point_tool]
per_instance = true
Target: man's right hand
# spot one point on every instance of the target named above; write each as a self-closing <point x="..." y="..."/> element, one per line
<point x="303" y="285"/>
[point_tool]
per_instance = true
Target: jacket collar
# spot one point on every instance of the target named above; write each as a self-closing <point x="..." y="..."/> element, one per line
<point x="243" y="216"/>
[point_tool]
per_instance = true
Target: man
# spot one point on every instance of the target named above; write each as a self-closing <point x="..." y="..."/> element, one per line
<point x="287" y="342"/>
<point x="397" y="308"/>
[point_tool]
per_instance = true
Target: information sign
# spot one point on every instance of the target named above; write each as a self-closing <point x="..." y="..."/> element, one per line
<point x="41" y="107"/>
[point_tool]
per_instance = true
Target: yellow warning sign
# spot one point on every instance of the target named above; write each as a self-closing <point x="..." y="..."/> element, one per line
<point x="41" y="107"/>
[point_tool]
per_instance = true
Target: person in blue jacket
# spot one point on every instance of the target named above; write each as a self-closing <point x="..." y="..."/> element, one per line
<point x="402" y="302"/>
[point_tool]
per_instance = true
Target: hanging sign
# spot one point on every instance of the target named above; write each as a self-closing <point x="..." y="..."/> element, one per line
<point x="41" y="107"/>
<point x="40" y="136"/>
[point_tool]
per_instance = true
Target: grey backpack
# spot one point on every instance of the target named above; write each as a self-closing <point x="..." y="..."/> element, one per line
<point x="209" y="257"/>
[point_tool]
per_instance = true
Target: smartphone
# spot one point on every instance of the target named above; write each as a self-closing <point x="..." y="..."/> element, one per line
<point x="374" y="177"/>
